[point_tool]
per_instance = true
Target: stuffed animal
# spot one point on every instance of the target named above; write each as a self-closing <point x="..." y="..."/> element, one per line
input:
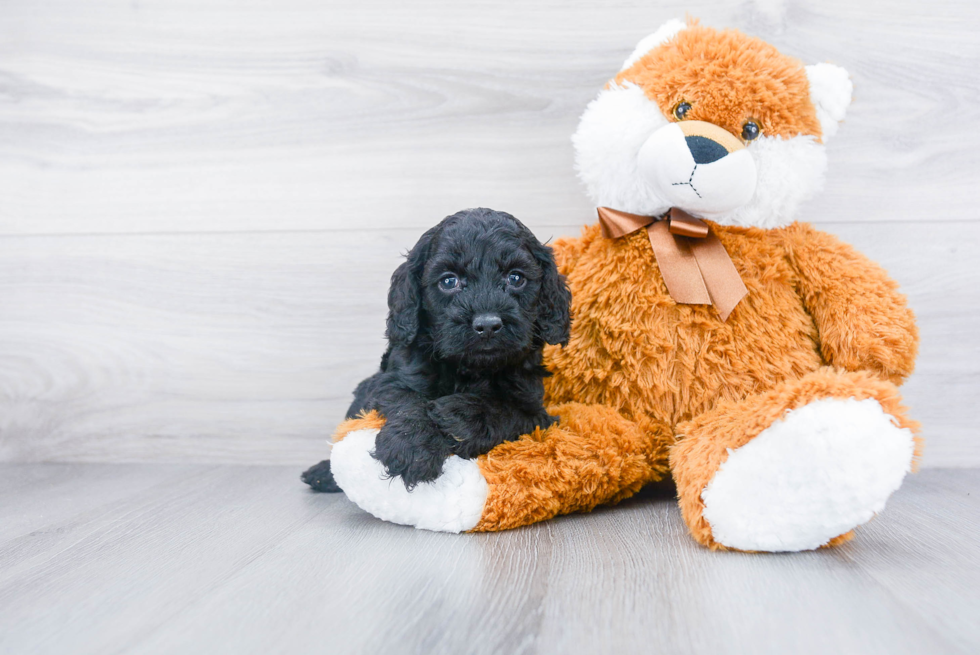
<point x="752" y="358"/>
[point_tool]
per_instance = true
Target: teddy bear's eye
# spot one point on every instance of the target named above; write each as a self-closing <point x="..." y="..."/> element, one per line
<point x="751" y="131"/>
<point x="680" y="111"/>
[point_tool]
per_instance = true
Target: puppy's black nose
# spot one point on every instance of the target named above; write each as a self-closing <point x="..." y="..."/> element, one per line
<point x="487" y="325"/>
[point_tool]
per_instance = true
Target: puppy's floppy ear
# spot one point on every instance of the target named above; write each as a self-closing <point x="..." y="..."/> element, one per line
<point x="405" y="294"/>
<point x="554" y="317"/>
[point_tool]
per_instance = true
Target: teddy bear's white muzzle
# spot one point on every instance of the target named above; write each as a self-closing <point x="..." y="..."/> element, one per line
<point x="696" y="173"/>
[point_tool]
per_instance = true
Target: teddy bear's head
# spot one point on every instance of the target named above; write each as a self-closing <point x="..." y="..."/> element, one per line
<point x="716" y="123"/>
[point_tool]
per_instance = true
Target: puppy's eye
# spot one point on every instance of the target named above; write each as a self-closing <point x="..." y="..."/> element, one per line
<point x="516" y="279"/>
<point x="680" y="111"/>
<point x="751" y="131"/>
<point x="449" y="282"/>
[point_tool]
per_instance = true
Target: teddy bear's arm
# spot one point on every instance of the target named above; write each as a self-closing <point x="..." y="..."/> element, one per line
<point x="863" y="321"/>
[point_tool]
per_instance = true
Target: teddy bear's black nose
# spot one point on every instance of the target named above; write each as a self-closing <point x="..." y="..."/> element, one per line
<point x="705" y="150"/>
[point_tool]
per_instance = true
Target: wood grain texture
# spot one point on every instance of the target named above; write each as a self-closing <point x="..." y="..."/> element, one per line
<point x="246" y="348"/>
<point x="201" y="202"/>
<point x="234" y="559"/>
<point x="158" y="116"/>
<point x="242" y="348"/>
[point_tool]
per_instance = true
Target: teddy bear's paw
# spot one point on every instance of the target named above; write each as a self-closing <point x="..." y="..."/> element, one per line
<point x="819" y="472"/>
<point x="453" y="502"/>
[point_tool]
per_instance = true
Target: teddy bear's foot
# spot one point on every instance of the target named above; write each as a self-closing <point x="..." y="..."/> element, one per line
<point x="823" y="470"/>
<point x="795" y="468"/>
<point x="451" y="503"/>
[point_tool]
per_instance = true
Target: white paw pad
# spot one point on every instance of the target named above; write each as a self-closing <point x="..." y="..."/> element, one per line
<point x="451" y="503"/>
<point x="819" y="472"/>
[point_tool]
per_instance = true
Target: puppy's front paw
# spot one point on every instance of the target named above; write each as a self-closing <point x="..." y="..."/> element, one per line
<point x="460" y="420"/>
<point x="424" y="467"/>
<point x="406" y="458"/>
<point x="546" y="420"/>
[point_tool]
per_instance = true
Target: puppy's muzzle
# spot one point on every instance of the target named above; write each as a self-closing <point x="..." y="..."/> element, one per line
<point x="487" y="325"/>
<point x="698" y="167"/>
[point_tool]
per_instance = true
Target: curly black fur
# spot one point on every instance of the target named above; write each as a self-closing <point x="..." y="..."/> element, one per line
<point x="469" y="312"/>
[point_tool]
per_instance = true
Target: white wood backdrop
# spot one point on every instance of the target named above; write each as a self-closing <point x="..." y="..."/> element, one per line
<point x="201" y="201"/>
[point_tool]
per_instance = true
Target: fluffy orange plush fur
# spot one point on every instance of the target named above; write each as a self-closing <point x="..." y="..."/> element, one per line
<point x="728" y="78"/>
<point x="816" y="310"/>
<point x="820" y="321"/>
<point x="367" y="421"/>
<point x="812" y="302"/>
<point x="647" y="387"/>
<point x="707" y="438"/>
<point x="593" y="457"/>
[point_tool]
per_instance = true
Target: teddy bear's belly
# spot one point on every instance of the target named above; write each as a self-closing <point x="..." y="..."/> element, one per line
<point x="633" y="348"/>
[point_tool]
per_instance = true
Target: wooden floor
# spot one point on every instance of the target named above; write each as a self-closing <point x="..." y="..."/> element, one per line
<point x="202" y="202"/>
<point x="150" y="558"/>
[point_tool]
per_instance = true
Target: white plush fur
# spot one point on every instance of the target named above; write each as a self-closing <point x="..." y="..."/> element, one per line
<point x="663" y="34"/>
<point x="789" y="172"/>
<point x="610" y="134"/>
<point x="615" y="130"/>
<point x="830" y="91"/>
<point x="706" y="190"/>
<point x="452" y="503"/>
<point x="821" y="471"/>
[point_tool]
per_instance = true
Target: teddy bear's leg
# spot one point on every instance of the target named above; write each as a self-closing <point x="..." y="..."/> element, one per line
<point x="592" y="456"/>
<point x="795" y="468"/>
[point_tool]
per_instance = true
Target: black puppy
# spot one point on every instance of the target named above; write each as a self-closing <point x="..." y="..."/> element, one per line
<point x="469" y="312"/>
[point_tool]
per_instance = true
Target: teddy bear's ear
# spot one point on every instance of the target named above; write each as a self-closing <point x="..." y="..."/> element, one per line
<point x="830" y="91"/>
<point x="663" y="34"/>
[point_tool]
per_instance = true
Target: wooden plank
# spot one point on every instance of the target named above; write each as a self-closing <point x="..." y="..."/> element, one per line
<point x="188" y="348"/>
<point x="35" y="497"/>
<point x="923" y="549"/>
<point x="616" y="581"/>
<point x="244" y="560"/>
<point x="245" y="348"/>
<point x="298" y="115"/>
<point x="673" y="593"/>
<point x="97" y="580"/>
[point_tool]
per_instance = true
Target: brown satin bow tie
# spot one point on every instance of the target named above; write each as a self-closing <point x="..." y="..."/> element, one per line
<point x="695" y="266"/>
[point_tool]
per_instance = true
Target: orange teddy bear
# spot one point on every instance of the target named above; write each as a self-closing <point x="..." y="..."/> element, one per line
<point x="752" y="358"/>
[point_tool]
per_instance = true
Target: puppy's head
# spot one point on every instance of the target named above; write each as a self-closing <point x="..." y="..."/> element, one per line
<point x="480" y="290"/>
